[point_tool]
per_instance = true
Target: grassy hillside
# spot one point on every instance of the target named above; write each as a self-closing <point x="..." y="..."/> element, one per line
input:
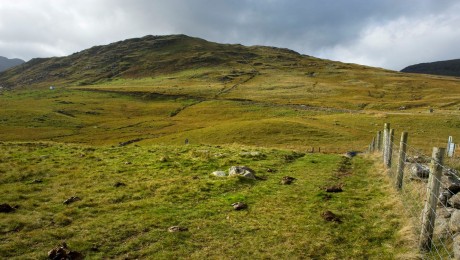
<point x="108" y="118"/>
<point x="131" y="195"/>
<point x="113" y="130"/>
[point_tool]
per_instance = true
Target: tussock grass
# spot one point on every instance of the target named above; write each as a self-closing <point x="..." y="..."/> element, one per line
<point x="172" y="185"/>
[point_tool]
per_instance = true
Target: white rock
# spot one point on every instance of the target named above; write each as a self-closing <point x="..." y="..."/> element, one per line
<point x="219" y="174"/>
<point x="242" y="171"/>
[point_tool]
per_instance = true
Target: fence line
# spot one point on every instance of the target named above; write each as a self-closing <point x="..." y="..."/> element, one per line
<point x="422" y="202"/>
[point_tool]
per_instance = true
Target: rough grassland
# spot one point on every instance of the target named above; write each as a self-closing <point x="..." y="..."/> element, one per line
<point x="172" y="185"/>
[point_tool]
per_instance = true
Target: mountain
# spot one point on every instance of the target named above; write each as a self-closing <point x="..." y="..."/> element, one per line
<point x="148" y="56"/>
<point x="446" y="68"/>
<point x="6" y="63"/>
<point x="183" y="66"/>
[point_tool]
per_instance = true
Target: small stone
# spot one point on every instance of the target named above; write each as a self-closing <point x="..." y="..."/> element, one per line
<point x="177" y="229"/>
<point x="219" y="174"/>
<point x="119" y="184"/>
<point x="6" y="208"/>
<point x="334" y="188"/>
<point x="287" y="180"/>
<point x="128" y="163"/>
<point x="239" y="206"/>
<point x="271" y="170"/>
<point x="71" y="200"/>
<point x="330" y="216"/>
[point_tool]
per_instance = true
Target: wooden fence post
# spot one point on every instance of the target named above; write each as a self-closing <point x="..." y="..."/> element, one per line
<point x="390" y="140"/>
<point x="432" y="194"/>
<point x="372" y="148"/>
<point x="402" y="160"/>
<point x="386" y="134"/>
<point x="379" y="140"/>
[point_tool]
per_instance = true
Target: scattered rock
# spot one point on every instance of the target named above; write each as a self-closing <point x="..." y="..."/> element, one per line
<point x="64" y="253"/>
<point x="128" y="163"/>
<point x="441" y="227"/>
<point x="130" y="142"/>
<point x="242" y="171"/>
<point x="119" y="184"/>
<point x="456" y="247"/>
<point x="177" y="229"/>
<point x="454" y="201"/>
<point x="329" y="216"/>
<point x="287" y="180"/>
<point x="418" y="159"/>
<point x="351" y="154"/>
<point x="6" y="208"/>
<point x="71" y="200"/>
<point x="334" y="188"/>
<point x="256" y="155"/>
<point x="271" y="170"/>
<point x="164" y="159"/>
<point x="37" y="181"/>
<point x="239" y="206"/>
<point x="454" y="223"/>
<point x="420" y="171"/>
<point x="219" y="174"/>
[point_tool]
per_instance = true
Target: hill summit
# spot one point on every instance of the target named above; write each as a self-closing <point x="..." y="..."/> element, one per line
<point x="134" y="58"/>
<point x="446" y="68"/>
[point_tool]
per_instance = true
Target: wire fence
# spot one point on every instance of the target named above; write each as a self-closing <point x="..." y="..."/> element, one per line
<point x="432" y="209"/>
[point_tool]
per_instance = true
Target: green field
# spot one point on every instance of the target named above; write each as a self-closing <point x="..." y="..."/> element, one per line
<point x="171" y="185"/>
<point x="113" y="133"/>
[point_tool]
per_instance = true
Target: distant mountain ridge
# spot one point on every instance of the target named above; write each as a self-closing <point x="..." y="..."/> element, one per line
<point x="6" y="63"/>
<point x="445" y="68"/>
<point x="148" y="56"/>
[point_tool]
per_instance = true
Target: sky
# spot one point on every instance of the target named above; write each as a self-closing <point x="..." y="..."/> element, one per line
<point x="390" y="34"/>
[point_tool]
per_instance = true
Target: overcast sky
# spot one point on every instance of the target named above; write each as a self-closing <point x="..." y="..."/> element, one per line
<point x="383" y="33"/>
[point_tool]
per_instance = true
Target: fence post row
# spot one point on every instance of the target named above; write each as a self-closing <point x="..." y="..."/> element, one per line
<point x="429" y="211"/>
<point x="402" y="160"/>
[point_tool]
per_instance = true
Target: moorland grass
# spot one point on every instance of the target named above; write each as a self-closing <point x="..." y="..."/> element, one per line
<point x="172" y="185"/>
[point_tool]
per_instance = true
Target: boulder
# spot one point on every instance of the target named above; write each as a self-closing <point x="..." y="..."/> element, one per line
<point x="454" y="223"/>
<point x="219" y="174"/>
<point x="456" y="246"/>
<point x="420" y="171"/>
<point x="450" y="183"/>
<point x="441" y="227"/>
<point x="242" y="171"/>
<point x="454" y="201"/>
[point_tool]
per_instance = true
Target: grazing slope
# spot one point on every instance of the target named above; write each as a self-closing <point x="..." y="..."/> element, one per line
<point x="447" y="68"/>
<point x="6" y="63"/>
<point x="111" y="136"/>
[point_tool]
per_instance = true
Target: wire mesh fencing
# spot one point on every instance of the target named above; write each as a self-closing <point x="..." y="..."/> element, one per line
<point x="429" y="188"/>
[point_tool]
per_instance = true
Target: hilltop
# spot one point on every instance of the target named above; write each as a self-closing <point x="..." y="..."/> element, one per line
<point x="179" y="65"/>
<point x="6" y="63"/>
<point x="447" y="68"/>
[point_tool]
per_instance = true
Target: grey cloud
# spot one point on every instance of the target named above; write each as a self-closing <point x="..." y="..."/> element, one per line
<point x="326" y="28"/>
